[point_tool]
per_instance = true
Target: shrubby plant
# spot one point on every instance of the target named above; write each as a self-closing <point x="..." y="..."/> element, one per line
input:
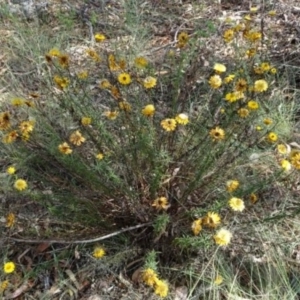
<point x="113" y="141"/>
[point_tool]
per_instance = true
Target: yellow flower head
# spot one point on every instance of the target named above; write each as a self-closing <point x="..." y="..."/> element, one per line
<point x="272" y="13"/>
<point x="93" y="55"/>
<point x="243" y="112"/>
<point x="20" y="184"/>
<point x="217" y="134"/>
<point x="282" y="149"/>
<point x="141" y="62"/>
<point x="273" y="71"/>
<point x="285" y="165"/>
<point x="197" y="226"/>
<point x="9" y="267"/>
<point x="232" y="185"/>
<point x="111" y="115"/>
<point x="218" y="280"/>
<point x="241" y="85"/>
<point x="268" y="121"/>
<point x="124" y="105"/>
<point x="236" y="204"/>
<point x="219" y="68"/>
<point x="124" y="78"/>
<point x="223" y="237"/>
<point x="229" y="78"/>
<point x="11" y="170"/>
<point x="253" y="105"/>
<point x="211" y="220"/>
<point x="161" y="288"/>
<point x="228" y="35"/>
<point x="272" y="137"/>
<point x="98" y="252"/>
<point x="105" y="84"/>
<point x="76" y="138"/>
<point x="149" y="276"/>
<point x="64" y="148"/>
<point x="253" y="198"/>
<point x="149" y="82"/>
<point x="61" y="82"/>
<point x="10" y="220"/>
<point x="183" y="39"/>
<point x="100" y="156"/>
<point x="260" y="86"/>
<point x="251" y="52"/>
<point x="83" y="75"/>
<point x="4" y="120"/>
<point x="182" y="119"/>
<point x="63" y="60"/>
<point x="161" y="203"/>
<point x="54" y="52"/>
<point x="99" y="37"/>
<point x="148" y="110"/>
<point x="85" y="121"/>
<point x="295" y="160"/>
<point x="26" y="126"/>
<point x="17" y="101"/>
<point x="10" y="137"/>
<point x="3" y="285"/>
<point x="168" y="124"/>
<point x="215" y="81"/>
<point x="265" y="66"/>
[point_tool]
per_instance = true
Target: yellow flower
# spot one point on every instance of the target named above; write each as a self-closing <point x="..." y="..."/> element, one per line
<point x="11" y="170"/>
<point x="124" y="105"/>
<point x="217" y="134"/>
<point x="241" y="85"/>
<point x="215" y="81"/>
<point x="253" y="105"/>
<point x="258" y="70"/>
<point x="54" y="52"/>
<point x="273" y="71"/>
<point x="219" y="68"/>
<point x="26" y="126"/>
<point x="3" y="285"/>
<point x="183" y="39"/>
<point x="253" y="198"/>
<point x="76" y="138"/>
<point x="4" y="120"/>
<point x="9" y="267"/>
<point x="124" y="78"/>
<point x="168" y="124"/>
<point x="223" y="237"/>
<point x="141" y="62"/>
<point x="234" y="96"/>
<point x="258" y="128"/>
<point x="98" y="252"/>
<point x="268" y="121"/>
<point x="10" y="220"/>
<point x="112" y="115"/>
<point x="93" y="55"/>
<point x="260" y="86"/>
<point x="197" y="226"/>
<point x="161" y="288"/>
<point x="61" y="82"/>
<point x="236" y="204"/>
<point x="228" y="35"/>
<point x="251" y="52"/>
<point x="218" y="280"/>
<point x="100" y="156"/>
<point x="248" y="18"/>
<point x="272" y="137"/>
<point x="285" y="165"/>
<point x="17" y="102"/>
<point x="105" y="84"/>
<point x="161" y="203"/>
<point x="114" y="65"/>
<point x="243" y="112"/>
<point x="229" y="78"/>
<point x="149" y="82"/>
<point x="254" y="9"/>
<point x="295" y="160"/>
<point x="20" y="184"/>
<point x="99" y="37"/>
<point x="149" y="276"/>
<point x="148" y="110"/>
<point x="232" y="185"/>
<point x="64" y="148"/>
<point x="211" y="220"/>
<point x="272" y="13"/>
<point x="85" y="121"/>
<point x="282" y="149"/>
<point x="265" y="66"/>
<point x="10" y="137"/>
<point x="83" y="75"/>
<point x="182" y="119"/>
<point x="63" y="60"/>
